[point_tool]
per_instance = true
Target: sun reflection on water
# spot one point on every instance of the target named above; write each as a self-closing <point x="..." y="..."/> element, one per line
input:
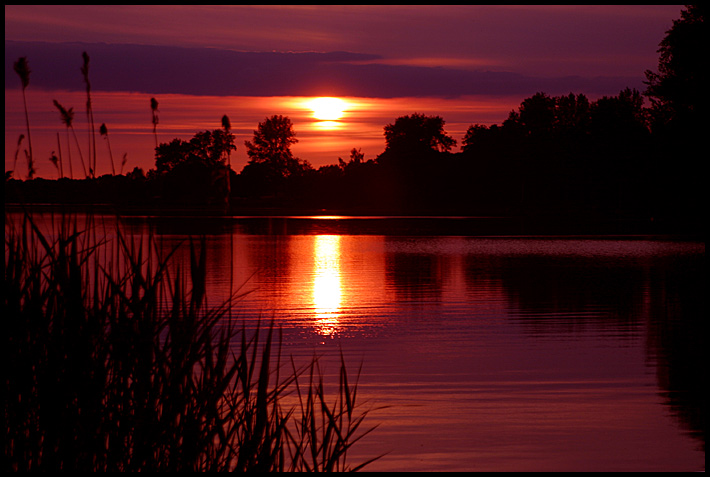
<point x="327" y="288"/>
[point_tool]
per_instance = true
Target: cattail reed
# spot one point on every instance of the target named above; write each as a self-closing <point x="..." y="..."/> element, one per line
<point x="116" y="363"/>
<point x="103" y="130"/>
<point x="22" y="68"/>
<point x="67" y="117"/>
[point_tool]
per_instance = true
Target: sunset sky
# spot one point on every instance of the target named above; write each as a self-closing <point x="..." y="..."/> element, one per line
<point x="468" y="64"/>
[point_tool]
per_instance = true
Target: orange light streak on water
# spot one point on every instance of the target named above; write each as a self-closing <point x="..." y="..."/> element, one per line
<point x="327" y="287"/>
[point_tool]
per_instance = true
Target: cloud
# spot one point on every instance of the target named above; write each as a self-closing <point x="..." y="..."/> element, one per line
<point x="208" y="71"/>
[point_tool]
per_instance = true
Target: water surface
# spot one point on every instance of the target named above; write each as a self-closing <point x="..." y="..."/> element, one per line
<point x="491" y="353"/>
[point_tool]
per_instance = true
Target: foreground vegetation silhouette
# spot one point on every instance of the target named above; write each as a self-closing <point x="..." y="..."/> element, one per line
<point x="117" y="364"/>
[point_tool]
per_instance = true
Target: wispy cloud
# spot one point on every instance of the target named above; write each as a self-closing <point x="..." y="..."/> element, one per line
<point x="208" y="71"/>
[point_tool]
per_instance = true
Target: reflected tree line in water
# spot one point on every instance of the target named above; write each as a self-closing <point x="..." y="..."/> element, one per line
<point x="565" y="297"/>
<point x="562" y="156"/>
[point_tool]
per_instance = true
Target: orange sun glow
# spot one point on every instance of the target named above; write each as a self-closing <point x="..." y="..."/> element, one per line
<point x="327" y="109"/>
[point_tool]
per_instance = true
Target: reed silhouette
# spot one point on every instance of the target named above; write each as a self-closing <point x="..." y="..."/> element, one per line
<point x="22" y="68"/>
<point x="20" y="139"/>
<point x="67" y="117"/>
<point x="55" y="162"/>
<point x="61" y="162"/>
<point x="154" y="113"/>
<point x="89" y="116"/>
<point x="103" y="130"/>
<point x="116" y="363"/>
<point x="227" y="126"/>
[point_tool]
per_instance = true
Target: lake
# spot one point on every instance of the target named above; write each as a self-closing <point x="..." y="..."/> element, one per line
<point x="490" y="352"/>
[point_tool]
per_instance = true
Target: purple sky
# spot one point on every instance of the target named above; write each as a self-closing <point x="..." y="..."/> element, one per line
<point x="463" y="55"/>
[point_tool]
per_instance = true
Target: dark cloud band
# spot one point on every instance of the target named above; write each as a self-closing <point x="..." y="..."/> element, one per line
<point x="204" y="71"/>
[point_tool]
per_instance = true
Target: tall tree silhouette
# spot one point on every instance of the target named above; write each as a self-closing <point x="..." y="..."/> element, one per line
<point x="89" y="116"/>
<point x="679" y="86"/>
<point x="271" y="145"/>
<point x="22" y="69"/>
<point x="67" y="117"/>
<point x="679" y="99"/>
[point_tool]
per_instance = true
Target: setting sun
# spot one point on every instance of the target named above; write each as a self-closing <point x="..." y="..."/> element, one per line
<point x="327" y="109"/>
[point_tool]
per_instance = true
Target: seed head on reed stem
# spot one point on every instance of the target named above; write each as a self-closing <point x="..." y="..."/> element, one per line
<point x="103" y="130"/>
<point x="67" y="117"/>
<point x="55" y="162"/>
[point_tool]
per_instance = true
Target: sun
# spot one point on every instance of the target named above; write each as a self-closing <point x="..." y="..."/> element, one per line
<point x="327" y="108"/>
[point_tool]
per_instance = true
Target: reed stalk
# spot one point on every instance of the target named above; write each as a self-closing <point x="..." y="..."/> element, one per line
<point x="61" y="162"/>
<point x="20" y="138"/>
<point x="116" y="363"/>
<point x="227" y="125"/>
<point x="103" y="130"/>
<point x="154" y="113"/>
<point x="21" y="67"/>
<point x="67" y="117"/>
<point x="89" y="115"/>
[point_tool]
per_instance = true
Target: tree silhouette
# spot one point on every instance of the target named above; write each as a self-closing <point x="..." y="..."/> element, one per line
<point x="679" y="102"/>
<point x="189" y="171"/>
<point x="209" y="148"/>
<point x="357" y="157"/>
<point x="682" y="79"/>
<point x="572" y="113"/>
<point x="271" y="146"/>
<point x="416" y="133"/>
<point x="621" y="117"/>
<point x="479" y="135"/>
<point x="23" y="71"/>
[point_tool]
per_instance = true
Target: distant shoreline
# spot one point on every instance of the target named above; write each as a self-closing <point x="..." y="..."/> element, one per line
<point x="370" y="221"/>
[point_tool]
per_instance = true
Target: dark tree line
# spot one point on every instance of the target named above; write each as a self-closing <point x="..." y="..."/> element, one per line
<point x="554" y="154"/>
<point x="565" y="156"/>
